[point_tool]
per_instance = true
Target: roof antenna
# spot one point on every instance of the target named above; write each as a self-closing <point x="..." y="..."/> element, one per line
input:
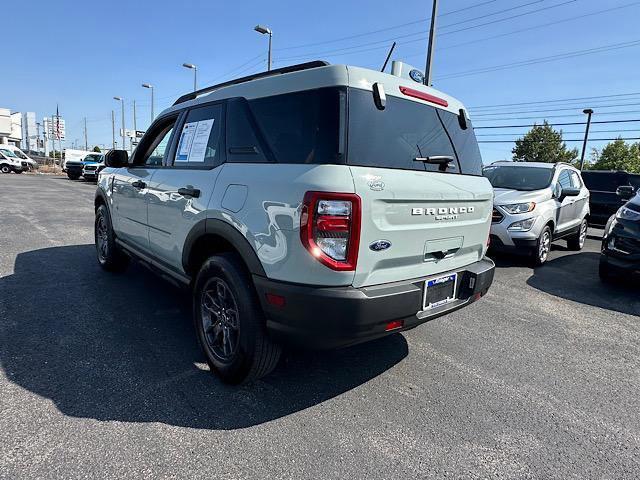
<point x="388" y="56"/>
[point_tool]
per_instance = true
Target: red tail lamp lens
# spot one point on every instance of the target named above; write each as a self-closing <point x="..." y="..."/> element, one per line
<point x="330" y="228"/>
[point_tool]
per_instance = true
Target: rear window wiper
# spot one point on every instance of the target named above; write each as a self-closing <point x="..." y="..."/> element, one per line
<point x="442" y="161"/>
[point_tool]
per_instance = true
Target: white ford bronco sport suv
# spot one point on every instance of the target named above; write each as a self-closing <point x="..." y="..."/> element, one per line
<point x="316" y="204"/>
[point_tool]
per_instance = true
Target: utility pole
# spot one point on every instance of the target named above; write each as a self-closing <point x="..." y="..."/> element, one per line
<point x="588" y="112"/>
<point x="86" y="143"/>
<point x="113" y="130"/>
<point x="432" y="44"/>
<point x="53" y="141"/>
<point x="135" y="136"/>
<point x="38" y="138"/>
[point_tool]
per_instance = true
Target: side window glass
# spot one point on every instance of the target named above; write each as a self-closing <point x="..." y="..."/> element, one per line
<point x="151" y="150"/>
<point x="200" y="138"/>
<point x="242" y="142"/>
<point x="564" y="180"/>
<point x="575" y="180"/>
<point x="157" y="154"/>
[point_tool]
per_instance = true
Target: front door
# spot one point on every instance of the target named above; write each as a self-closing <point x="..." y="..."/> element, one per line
<point x="566" y="210"/>
<point x="179" y="192"/>
<point x="131" y="185"/>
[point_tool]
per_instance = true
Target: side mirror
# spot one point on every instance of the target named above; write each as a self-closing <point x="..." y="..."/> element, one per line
<point x="116" y="158"/>
<point x="625" y="192"/>
<point x="569" y="192"/>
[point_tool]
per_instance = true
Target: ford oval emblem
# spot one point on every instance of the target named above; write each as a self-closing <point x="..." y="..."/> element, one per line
<point x="416" y="76"/>
<point x="376" y="185"/>
<point x="380" y="245"/>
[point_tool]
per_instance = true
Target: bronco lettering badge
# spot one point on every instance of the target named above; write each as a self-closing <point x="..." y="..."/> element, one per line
<point x="443" y="213"/>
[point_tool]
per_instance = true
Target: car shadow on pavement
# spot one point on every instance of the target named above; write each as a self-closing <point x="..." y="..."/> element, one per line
<point x="575" y="277"/>
<point x="122" y="347"/>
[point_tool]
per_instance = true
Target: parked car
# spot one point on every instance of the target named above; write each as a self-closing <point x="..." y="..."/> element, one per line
<point x="620" y="254"/>
<point x="605" y="199"/>
<point x="31" y="164"/>
<point x="10" y="162"/>
<point x="536" y="204"/>
<point x="293" y="205"/>
<point x="75" y="168"/>
<point x="91" y="168"/>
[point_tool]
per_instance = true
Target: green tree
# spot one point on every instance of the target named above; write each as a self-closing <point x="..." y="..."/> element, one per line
<point x="97" y="149"/>
<point x="543" y="144"/>
<point x="617" y="155"/>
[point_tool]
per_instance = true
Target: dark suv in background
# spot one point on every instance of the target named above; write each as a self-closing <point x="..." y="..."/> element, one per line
<point x="609" y="191"/>
<point x="621" y="242"/>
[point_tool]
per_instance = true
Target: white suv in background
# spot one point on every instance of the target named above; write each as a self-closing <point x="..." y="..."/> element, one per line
<point x="319" y="204"/>
<point x="536" y="204"/>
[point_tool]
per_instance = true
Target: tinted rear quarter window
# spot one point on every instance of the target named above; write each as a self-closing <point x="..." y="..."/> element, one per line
<point x="302" y="127"/>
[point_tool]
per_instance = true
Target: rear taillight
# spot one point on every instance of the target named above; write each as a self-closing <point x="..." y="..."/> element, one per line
<point x="330" y="228"/>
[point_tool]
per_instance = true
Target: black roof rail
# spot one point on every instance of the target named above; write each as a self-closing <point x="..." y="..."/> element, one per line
<point x="279" y="71"/>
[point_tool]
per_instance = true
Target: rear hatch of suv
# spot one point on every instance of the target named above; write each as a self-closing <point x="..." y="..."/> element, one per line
<point x="416" y="219"/>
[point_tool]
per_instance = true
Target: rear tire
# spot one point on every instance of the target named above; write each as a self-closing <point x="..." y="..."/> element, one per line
<point x="576" y="242"/>
<point x="229" y="322"/>
<point x="5" y="169"/>
<point x="543" y="247"/>
<point x="110" y="257"/>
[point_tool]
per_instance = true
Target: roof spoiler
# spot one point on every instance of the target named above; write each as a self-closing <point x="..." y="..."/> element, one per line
<point x="278" y="71"/>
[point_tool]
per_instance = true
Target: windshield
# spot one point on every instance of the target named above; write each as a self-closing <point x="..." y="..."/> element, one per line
<point x="93" y="158"/>
<point x="405" y="130"/>
<point x="19" y="154"/>
<point x="519" y="178"/>
<point x="8" y="153"/>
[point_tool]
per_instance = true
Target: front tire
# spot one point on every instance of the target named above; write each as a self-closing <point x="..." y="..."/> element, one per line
<point x="72" y="176"/>
<point x="576" y="242"/>
<point x="543" y="247"/>
<point x="110" y="257"/>
<point x="5" y="169"/>
<point x="229" y="322"/>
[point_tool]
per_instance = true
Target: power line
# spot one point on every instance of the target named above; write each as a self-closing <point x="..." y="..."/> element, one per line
<point x="535" y="27"/>
<point x="341" y="51"/>
<point x="569" y="140"/>
<point x="386" y="29"/>
<point x="514" y="134"/>
<point x="558" y="124"/>
<point x="551" y="58"/>
<point x="555" y="101"/>
<point x="476" y="115"/>
<point x="543" y="117"/>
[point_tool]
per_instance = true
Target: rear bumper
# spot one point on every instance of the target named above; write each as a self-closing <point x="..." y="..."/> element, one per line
<point x="330" y="317"/>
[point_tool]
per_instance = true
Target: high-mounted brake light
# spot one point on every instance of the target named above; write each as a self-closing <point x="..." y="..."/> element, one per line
<point x="410" y="92"/>
<point x="330" y="228"/>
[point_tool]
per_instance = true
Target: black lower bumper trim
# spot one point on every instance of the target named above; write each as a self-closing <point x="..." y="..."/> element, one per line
<point x="328" y="317"/>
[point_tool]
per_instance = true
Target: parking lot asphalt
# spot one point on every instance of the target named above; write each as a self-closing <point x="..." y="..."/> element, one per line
<point x="101" y="377"/>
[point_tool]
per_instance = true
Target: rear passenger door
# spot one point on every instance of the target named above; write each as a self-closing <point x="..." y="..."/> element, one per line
<point x="581" y="204"/>
<point x="565" y="216"/>
<point x="180" y="191"/>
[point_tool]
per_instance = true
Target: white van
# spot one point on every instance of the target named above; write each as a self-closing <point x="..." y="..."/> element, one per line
<point x="22" y="156"/>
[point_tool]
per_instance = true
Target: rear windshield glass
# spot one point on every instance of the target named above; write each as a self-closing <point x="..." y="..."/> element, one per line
<point x="519" y="178"/>
<point x="406" y="130"/>
<point x="302" y="127"/>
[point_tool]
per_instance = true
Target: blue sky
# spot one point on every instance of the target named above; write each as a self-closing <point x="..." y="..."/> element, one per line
<point x="81" y="54"/>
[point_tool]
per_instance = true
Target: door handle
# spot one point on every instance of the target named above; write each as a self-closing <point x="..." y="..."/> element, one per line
<point x="189" y="192"/>
<point x="138" y="184"/>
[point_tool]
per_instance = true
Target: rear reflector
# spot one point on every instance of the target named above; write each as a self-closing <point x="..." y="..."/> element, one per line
<point x="410" y="92"/>
<point x="275" y="300"/>
<point x="394" y="325"/>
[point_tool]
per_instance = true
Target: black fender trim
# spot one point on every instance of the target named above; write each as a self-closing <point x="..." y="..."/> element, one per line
<point x="213" y="226"/>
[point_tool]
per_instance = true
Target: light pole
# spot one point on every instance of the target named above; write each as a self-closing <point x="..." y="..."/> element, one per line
<point x="121" y="100"/>
<point x="266" y="31"/>
<point x="588" y="112"/>
<point x="432" y="44"/>
<point x="195" y="73"/>
<point x="113" y="130"/>
<point x="149" y="86"/>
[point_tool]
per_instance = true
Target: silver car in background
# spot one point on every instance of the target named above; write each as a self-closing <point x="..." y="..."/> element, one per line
<point x="536" y="204"/>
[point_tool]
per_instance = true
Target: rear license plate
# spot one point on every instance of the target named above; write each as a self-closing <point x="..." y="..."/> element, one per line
<point x="439" y="291"/>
